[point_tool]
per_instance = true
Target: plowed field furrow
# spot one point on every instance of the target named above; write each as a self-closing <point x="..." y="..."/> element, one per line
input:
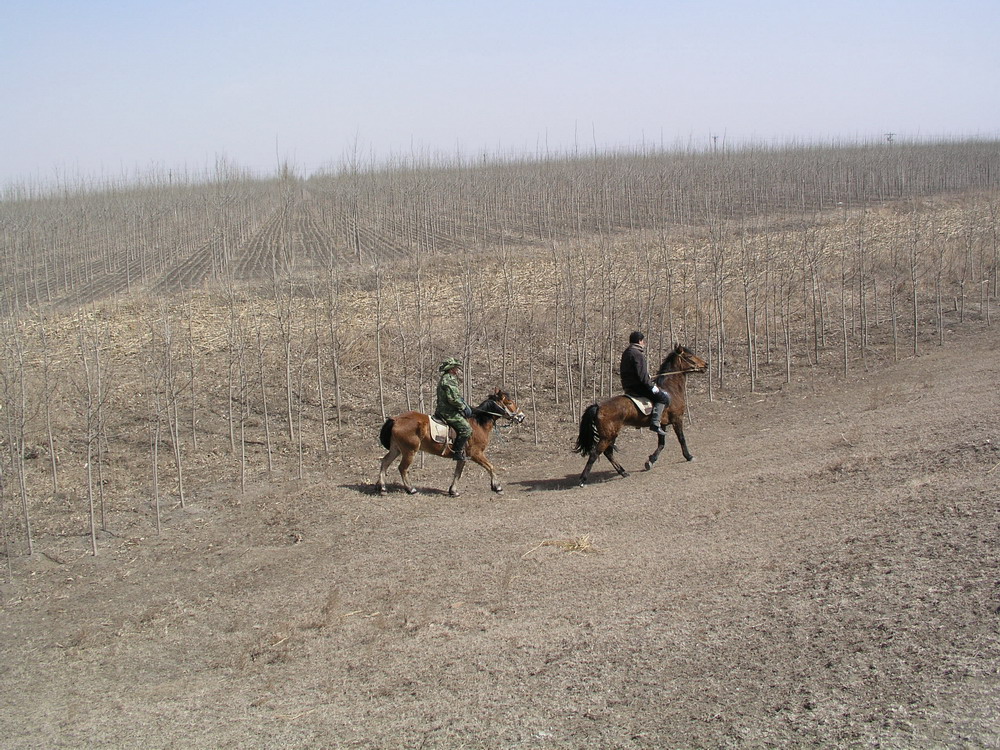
<point x="264" y="251"/>
<point x="438" y="237"/>
<point x="205" y="262"/>
<point x="398" y="236"/>
<point x="371" y="240"/>
<point x="94" y="283"/>
<point x="316" y="247"/>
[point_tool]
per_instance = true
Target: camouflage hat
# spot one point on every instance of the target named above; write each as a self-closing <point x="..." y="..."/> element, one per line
<point x="450" y="364"/>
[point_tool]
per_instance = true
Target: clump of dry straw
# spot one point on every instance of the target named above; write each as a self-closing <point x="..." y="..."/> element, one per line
<point x="579" y="544"/>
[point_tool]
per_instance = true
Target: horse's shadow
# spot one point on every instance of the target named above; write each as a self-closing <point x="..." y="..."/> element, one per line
<point x="372" y="489"/>
<point x="551" y="484"/>
<point x="569" y="482"/>
<point x="366" y="488"/>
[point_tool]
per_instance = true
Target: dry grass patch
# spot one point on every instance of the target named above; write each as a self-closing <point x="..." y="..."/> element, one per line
<point x="578" y="544"/>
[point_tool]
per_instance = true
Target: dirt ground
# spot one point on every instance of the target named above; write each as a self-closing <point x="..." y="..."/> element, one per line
<point x="825" y="573"/>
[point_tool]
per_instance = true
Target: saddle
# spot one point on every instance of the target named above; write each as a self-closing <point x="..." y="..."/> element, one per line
<point x="644" y="404"/>
<point x="441" y="432"/>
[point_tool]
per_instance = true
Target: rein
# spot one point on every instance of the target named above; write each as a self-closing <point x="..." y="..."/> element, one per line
<point x="477" y="410"/>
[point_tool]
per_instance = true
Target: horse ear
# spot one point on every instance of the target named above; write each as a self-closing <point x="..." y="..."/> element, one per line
<point x="677" y="347"/>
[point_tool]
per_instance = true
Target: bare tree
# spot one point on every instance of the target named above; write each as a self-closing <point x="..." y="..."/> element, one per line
<point x="15" y="408"/>
<point x="92" y="340"/>
<point x="283" y="318"/>
<point x="157" y="413"/>
<point x="49" y="393"/>
<point x="379" y="323"/>
<point x="173" y="387"/>
<point x="262" y="386"/>
<point x="914" y="258"/>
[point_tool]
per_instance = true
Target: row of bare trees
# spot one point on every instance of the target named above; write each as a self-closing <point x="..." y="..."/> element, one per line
<point x="325" y="307"/>
<point x="76" y="244"/>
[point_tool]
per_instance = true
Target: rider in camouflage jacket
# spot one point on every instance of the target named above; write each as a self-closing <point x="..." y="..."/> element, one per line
<point x="451" y="407"/>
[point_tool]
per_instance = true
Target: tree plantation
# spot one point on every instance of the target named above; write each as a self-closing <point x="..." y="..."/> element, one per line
<point x="263" y="326"/>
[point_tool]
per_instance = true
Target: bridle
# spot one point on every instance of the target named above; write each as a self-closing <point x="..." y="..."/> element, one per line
<point x="506" y="412"/>
<point x="683" y="360"/>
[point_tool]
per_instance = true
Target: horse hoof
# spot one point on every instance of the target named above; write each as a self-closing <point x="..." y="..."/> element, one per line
<point x="382" y="490"/>
<point x="454" y="493"/>
<point x="649" y="465"/>
<point x="498" y="490"/>
<point x="412" y="490"/>
<point x="690" y="458"/>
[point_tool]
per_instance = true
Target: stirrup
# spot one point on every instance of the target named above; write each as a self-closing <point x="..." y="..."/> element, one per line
<point x="658" y="429"/>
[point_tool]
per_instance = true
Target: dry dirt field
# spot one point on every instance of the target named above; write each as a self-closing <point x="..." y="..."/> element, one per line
<point x="826" y="573"/>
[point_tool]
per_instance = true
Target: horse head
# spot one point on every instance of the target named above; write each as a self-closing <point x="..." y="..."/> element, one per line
<point x="681" y="361"/>
<point x="689" y="361"/>
<point x="500" y="404"/>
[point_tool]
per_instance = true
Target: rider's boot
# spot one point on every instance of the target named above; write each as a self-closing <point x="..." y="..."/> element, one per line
<point x="656" y="416"/>
<point x="458" y="449"/>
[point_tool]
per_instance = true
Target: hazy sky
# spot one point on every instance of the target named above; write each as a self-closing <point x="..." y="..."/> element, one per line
<point x="106" y="88"/>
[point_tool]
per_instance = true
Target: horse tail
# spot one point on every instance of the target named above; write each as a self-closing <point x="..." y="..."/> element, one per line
<point x="589" y="436"/>
<point x="385" y="435"/>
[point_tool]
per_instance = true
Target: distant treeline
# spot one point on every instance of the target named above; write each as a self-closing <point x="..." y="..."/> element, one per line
<point x="79" y="243"/>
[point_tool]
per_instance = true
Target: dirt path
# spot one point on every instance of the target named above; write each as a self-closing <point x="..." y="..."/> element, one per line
<point x="824" y="574"/>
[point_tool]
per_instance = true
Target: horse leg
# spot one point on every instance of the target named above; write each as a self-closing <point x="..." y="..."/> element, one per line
<point x="391" y="456"/>
<point x="609" y="453"/>
<point x="480" y="458"/>
<point x="679" y="431"/>
<point x="660" y="442"/>
<point x="404" y="466"/>
<point x="591" y="458"/>
<point x="459" y="468"/>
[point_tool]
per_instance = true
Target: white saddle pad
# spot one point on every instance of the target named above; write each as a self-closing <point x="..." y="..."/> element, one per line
<point x="441" y="432"/>
<point x="643" y="403"/>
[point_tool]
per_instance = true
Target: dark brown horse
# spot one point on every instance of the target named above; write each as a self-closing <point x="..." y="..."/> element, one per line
<point x="410" y="432"/>
<point x="601" y="423"/>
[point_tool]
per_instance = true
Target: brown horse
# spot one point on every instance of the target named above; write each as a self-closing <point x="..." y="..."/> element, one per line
<point x="601" y="423"/>
<point x="410" y="432"/>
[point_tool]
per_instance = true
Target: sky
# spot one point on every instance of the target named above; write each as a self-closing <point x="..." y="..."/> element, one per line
<point x="110" y="89"/>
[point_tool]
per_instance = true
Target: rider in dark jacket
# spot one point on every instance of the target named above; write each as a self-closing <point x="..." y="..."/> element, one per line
<point x="636" y="381"/>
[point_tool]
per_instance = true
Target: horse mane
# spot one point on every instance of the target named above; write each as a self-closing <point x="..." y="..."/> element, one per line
<point x="668" y="363"/>
<point x="481" y="413"/>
